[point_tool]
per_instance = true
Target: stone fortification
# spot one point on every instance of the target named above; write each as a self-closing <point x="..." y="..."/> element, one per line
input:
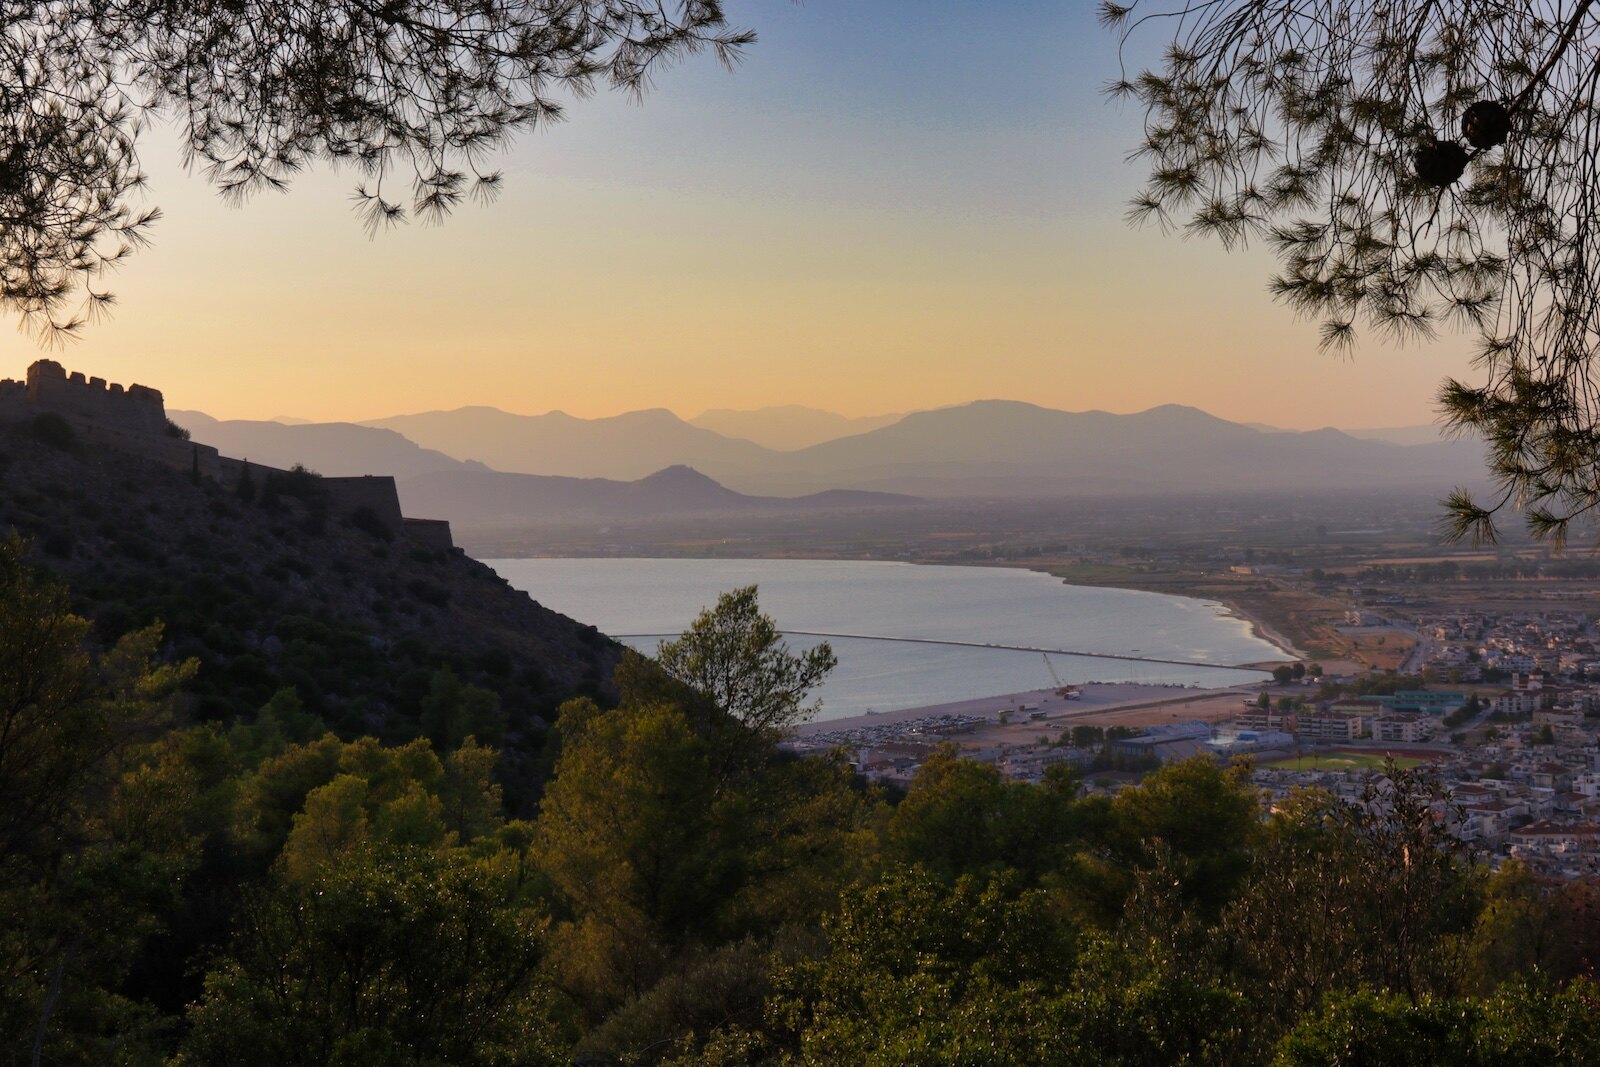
<point x="136" y="409"/>
<point x="374" y="492"/>
<point x="134" y="420"/>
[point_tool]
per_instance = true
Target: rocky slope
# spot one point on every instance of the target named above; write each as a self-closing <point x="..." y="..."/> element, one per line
<point x="274" y="592"/>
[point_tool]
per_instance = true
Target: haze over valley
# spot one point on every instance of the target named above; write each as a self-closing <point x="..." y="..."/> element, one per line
<point x="480" y="466"/>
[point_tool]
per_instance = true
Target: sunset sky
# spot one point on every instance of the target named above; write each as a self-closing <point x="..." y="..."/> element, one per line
<point x="889" y="206"/>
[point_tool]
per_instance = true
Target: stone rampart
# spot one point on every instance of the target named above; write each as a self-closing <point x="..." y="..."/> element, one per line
<point x="431" y="533"/>
<point x="134" y="420"/>
<point x="375" y="492"/>
<point x="138" y="408"/>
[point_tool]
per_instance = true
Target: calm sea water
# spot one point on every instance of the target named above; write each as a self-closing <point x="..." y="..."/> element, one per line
<point x="643" y="600"/>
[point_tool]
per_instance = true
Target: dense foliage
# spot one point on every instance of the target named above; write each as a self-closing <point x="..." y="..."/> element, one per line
<point x="260" y="891"/>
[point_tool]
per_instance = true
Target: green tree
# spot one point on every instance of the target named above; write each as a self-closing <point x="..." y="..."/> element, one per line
<point x="1381" y="1030"/>
<point x="628" y="836"/>
<point x="1413" y="165"/>
<point x="734" y="655"/>
<point x="663" y="850"/>
<point x="1527" y="928"/>
<point x="383" y="956"/>
<point x="979" y="972"/>
<point x="453" y="711"/>
<point x="922" y="973"/>
<point x="1198" y="818"/>
<point x="960" y="817"/>
<point x="1524" y="1025"/>
<point x="1380" y="887"/>
<point x="94" y="835"/>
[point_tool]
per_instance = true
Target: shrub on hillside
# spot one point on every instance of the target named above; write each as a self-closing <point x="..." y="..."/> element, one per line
<point x="51" y="429"/>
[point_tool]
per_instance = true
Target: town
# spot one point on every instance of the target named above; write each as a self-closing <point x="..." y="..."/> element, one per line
<point x="1503" y="706"/>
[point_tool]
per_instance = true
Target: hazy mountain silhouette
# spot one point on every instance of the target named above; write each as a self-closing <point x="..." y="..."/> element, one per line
<point x="626" y="447"/>
<point x="986" y="448"/>
<point x="336" y="449"/>
<point x="487" y="497"/>
<point x="1401" y="435"/>
<point x="788" y="427"/>
<point x="1009" y="447"/>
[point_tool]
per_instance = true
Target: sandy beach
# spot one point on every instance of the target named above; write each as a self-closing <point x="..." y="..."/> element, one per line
<point x="1108" y="704"/>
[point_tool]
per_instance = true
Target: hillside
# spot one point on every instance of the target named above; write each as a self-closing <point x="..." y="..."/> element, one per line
<point x="478" y="497"/>
<point x="275" y="593"/>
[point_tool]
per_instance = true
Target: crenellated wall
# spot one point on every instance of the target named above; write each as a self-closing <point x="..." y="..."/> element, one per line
<point x="138" y="408"/>
<point x="135" y="420"/>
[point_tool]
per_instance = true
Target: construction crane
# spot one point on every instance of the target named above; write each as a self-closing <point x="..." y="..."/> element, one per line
<point x="1063" y="690"/>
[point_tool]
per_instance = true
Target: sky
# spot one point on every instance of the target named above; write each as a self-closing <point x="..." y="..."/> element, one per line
<point x="888" y="206"/>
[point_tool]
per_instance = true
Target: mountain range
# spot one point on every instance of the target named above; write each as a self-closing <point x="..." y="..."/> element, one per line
<point x="337" y="449"/>
<point x="474" y="464"/>
<point x="788" y="427"/>
<point x="493" y="498"/>
<point x="624" y="447"/>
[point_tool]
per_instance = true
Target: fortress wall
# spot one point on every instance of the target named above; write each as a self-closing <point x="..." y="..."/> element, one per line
<point x="137" y="408"/>
<point x="374" y="491"/>
<point x="14" y="406"/>
<point x="431" y="533"/>
<point x="134" y="420"/>
<point x="174" y="452"/>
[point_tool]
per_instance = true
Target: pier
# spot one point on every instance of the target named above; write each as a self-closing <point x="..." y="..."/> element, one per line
<point x="981" y="644"/>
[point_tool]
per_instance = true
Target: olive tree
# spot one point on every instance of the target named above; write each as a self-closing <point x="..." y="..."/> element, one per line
<point x="411" y="94"/>
<point x="1414" y="164"/>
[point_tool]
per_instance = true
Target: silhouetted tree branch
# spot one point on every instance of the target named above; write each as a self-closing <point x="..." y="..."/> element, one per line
<point x="1411" y="163"/>
<point x="414" y="94"/>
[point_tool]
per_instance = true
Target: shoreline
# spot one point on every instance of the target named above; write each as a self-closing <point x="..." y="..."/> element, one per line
<point x="1259" y="628"/>
<point x="1263" y="631"/>
<point x="1096" y="699"/>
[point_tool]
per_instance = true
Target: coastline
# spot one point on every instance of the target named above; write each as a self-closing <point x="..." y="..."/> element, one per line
<point x="1264" y="631"/>
<point x="1108" y="701"/>
<point x="1259" y="628"/>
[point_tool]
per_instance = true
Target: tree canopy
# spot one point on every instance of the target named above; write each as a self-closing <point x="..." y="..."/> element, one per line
<point x="264" y="891"/>
<point x="1413" y="165"/>
<point x="412" y="94"/>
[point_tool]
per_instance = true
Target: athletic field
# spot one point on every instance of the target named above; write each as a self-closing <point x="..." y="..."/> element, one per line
<point x="1341" y="761"/>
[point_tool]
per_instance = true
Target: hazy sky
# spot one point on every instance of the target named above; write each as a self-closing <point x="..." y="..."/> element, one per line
<point x="890" y="205"/>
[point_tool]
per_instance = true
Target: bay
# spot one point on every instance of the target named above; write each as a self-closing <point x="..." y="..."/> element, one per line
<point x="643" y="601"/>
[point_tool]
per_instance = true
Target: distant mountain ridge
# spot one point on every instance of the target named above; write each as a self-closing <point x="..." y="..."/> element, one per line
<point x="336" y="449"/>
<point x="1006" y="447"/>
<point x="625" y="447"/>
<point x="490" y="497"/>
<point x="788" y="427"/>
<point x="985" y="448"/>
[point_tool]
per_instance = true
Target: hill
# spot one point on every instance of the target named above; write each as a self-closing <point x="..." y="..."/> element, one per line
<point x="278" y="592"/>
<point x="489" y="497"/>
